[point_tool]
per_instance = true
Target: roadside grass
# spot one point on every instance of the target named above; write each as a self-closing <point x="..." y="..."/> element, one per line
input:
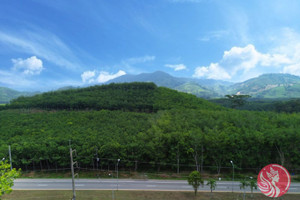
<point x="133" y="195"/>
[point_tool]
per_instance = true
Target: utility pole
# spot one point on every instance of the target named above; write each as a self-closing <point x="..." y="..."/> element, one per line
<point x="72" y="170"/>
<point x="9" y="151"/>
<point x="232" y="173"/>
<point x="113" y="189"/>
<point x="118" y="174"/>
<point x="97" y="159"/>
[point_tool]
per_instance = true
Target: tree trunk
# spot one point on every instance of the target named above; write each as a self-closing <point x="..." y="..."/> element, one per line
<point x="218" y="165"/>
<point x="93" y="163"/>
<point x="41" y="165"/>
<point x="202" y="159"/>
<point x="158" y="167"/>
<point x="281" y="155"/>
<point x="195" y="155"/>
<point x="136" y="166"/>
<point x="178" y="160"/>
<point x="33" y="166"/>
<point x="196" y="161"/>
<point x="47" y="162"/>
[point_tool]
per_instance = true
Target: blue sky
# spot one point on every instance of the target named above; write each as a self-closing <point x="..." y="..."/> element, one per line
<point x="45" y="45"/>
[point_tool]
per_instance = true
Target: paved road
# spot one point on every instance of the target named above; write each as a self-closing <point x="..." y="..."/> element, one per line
<point x="126" y="184"/>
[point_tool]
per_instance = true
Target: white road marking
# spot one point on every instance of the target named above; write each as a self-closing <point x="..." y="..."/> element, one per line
<point x="79" y="185"/>
<point x="42" y="185"/>
<point x="186" y="186"/>
<point x="293" y="188"/>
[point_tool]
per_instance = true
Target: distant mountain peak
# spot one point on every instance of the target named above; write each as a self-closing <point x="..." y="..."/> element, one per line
<point x="270" y="86"/>
<point x="202" y="88"/>
<point x="160" y="73"/>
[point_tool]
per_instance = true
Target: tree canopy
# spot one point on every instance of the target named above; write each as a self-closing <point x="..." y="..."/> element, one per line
<point x="195" y="180"/>
<point x="7" y="177"/>
<point x="149" y="128"/>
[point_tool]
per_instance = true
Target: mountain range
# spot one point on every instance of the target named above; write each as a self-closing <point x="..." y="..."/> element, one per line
<point x="271" y="86"/>
<point x="7" y="94"/>
<point x="205" y="88"/>
<point x="266" y="86"/>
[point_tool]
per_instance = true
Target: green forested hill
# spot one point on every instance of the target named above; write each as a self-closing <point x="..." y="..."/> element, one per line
<point x="194" y="88"/>
<point x="269" y="86"/>
<point x="141" y="97"/>
<point x="164" y="130"/>
<point x="204" y="88"/>
<point x="7" y="94"/>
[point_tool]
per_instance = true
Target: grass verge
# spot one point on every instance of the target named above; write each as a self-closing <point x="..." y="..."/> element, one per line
<point x="133" y="195"/>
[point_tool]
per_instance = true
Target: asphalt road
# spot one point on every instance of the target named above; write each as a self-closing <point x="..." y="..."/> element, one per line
<point x="127" y="184"/>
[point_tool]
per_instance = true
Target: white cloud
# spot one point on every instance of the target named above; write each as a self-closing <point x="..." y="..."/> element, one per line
<point x="88" y="76"/>
<point x="213" y="71"/>
<point x="177" y="67"/>
<point x="99" y="77"/>
<point x="239" y="61"/>
<point x="43" y="44"/>
<point x="14" y="80"/>
<point x="292" y="69"/>
<point x="29" y="66"/>
<point x="246" y="58"/>
<point x="105" y="76"/>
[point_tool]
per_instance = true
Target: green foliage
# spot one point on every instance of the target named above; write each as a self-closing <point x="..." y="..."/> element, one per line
<point x="134" y="97"/>
<point x="7" y="178"/>
<point x="127" y="97"/>
<point x="275" y="105"/>
<point x="212" y="184"/>
<point x="196" y="89"/>
<point x="269" y="86"/>
<point x="244" y="184"/>
<point x="195" y="180"/>
<point x="248" y="182"/>
<point x="252" y="185"/>
<point x="43" y="136"/>
<point x="237" y="100"/>
<point x="164" y="129"/>
<point x="6" y="94"/>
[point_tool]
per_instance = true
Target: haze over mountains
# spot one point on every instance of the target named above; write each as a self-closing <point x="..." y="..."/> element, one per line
<point x="6" y="94"/>
<point x="264" y="86"/>
<point x="270" y="86"/>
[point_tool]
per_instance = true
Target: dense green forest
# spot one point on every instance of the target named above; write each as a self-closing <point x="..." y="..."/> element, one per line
<point x="147" y="127"/>
<point x="138" y="97"/>
<point x="254" y="104"/>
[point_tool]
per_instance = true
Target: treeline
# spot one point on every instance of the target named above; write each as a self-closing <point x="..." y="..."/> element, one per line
<point x="40" y="139"/>
<point x="274" y="105"/>
<point x="136" y="97"/>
